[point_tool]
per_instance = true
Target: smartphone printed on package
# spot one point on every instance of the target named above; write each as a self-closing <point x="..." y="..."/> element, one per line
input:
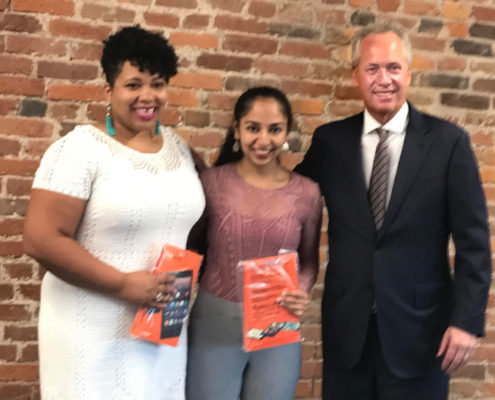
<point x="164" y="325"/>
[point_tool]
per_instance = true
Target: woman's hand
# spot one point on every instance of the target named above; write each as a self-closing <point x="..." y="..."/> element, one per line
<point x="146" y="289"/>
<point x="295" y="302"/>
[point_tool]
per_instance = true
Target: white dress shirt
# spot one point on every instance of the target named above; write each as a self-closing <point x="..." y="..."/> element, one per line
<point x="369" y="140"/>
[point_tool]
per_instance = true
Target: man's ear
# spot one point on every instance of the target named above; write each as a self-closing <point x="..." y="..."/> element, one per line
<point x="354" y="77"/>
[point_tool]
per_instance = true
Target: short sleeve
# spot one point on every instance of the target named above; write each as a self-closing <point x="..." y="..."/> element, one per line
<point x="68" y="166"/>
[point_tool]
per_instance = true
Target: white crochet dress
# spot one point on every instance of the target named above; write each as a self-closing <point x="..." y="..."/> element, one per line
<point x="136" y="202"/>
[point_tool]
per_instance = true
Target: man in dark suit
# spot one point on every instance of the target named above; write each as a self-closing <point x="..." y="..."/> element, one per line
<point x="397" y="184"/>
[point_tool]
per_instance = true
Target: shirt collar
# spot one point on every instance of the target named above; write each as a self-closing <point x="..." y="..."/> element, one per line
<point x="396" y="125"/>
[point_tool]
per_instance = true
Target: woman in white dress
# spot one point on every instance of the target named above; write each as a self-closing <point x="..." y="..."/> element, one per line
<point x="105" y="199"/>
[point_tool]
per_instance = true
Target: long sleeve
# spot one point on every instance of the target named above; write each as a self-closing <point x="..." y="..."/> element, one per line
<point x="468" y="222"/>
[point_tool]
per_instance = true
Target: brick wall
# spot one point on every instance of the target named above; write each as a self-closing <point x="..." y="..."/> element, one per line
<point x="50" y="80"/>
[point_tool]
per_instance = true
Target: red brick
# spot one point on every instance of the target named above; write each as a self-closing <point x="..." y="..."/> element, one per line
<point x="262" y="9"/>
<point x="25" y="127"/>
<point x="9" y="147"/>
<point x="57" y="7"/>
<point x="19" y="23"/>
<point x="10" y="248"/>
<point x="483" y="138"/>
<point x="305" y="49"/>
<point x="77" y="92"/>
<point x="6" y="292"/>
<point x="96" y="112"/>
<point x="419" y="7"/>
<point x="452" y="63"/>
<point x="13" y="206"/>
<point x="327" y="72"/>
<point x="483" y="66"/>
<point x="311" y="369"/>
<point x="484" y="13"/>
<point x="15" y="391"/>
<point x="15" y="64"/>
<point x="206" y="139"/>
<point x="240" y="24"/>
<point x="420" y="62"/>
<point x="361" y="3"/>
<point x="86" y="51"/>
<point x="29" y="353"/>
<point x="8" y="105"/>
<point x="388" y="5"/>
<point x="18" y="167"/>
<point x="296" y="12"/>
<point x="18" y="271"/>
<point x="344" y="108"/>
<point x="290" y="159"/>
<point x="227" y="63"/>
<point x="333" y="17"/>
<point x="197" y="118"/>
<point x="19" y="186"/>
<point x="30" y="291"/>
<point x="221" y="119"/>
<point x="64" y="70"/>
<point x="19" y="372"/>
<point x="458" y="29"/>
<point x="63" y="111"/>
<point x="488" y="175"/>
<point x="304" y="388"/>
<point x="455" y="10"/>
<point x="308" y="106"/>
<point x="221" y="101"/>
<point x="196" y="21"/>
<point x="304" y="87"/>
<point x="21" y="333"/>
<point x="428" y="43"/>
<point x="36" y="46"/>
<point x="36" y="148"/>
<point x="108" y="14"/>
<point x="347" y="93"/>
<point x="81" y="30"/>
<point x="178" y="3"/>
<point x="228" y="5"/>
<point x="250" y="45"/>
<point x="8" y="353"/>
<point x="4" y="4"/>
<point x="11" y="226"/>
<point x="21" y="85"/>
<point x="309" y="124"/>
<point x="167" y="20"/>
<point x="170" y="116"/>
<point x="182" y="98"/>
<point x="200" y="40"/>
<point x="284" y="68"/>
<point x="198" y="81"/>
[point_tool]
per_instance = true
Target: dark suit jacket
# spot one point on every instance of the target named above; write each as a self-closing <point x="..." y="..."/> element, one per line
<point x="404" y="266"/>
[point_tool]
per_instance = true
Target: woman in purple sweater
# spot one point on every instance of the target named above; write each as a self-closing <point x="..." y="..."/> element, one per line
<point x="254" y="208"/>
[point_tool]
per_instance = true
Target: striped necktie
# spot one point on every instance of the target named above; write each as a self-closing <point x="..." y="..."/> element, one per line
<point x="377" y="192"/>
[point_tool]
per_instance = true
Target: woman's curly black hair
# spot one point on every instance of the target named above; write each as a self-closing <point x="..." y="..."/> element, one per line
<point x="145" y="50"/>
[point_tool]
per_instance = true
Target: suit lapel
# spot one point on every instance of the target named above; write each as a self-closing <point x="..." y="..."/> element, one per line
<point x="416" y="146"/>
<point x="352" y="189"/>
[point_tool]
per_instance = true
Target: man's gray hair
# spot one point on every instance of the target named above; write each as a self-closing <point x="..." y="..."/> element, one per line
<point x="379" y="28"/>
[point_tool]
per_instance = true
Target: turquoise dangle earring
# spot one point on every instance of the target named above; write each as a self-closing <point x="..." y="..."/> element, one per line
<point x="157" y="127"/>
<point x="108" y="122"/>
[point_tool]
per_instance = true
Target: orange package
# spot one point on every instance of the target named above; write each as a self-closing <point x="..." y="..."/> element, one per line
<point x="163" y="326"/>
<point x="266" y="323"/>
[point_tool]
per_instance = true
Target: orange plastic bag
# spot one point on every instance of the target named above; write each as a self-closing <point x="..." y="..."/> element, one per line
<point x="164" y="326"/>
<point x="266" y="323"/>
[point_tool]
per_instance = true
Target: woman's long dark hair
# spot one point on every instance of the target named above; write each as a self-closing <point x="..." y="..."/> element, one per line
<point x="242" y="107"/>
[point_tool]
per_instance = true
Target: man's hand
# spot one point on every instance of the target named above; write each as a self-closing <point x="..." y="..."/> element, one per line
<point x="457" y="347"/>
